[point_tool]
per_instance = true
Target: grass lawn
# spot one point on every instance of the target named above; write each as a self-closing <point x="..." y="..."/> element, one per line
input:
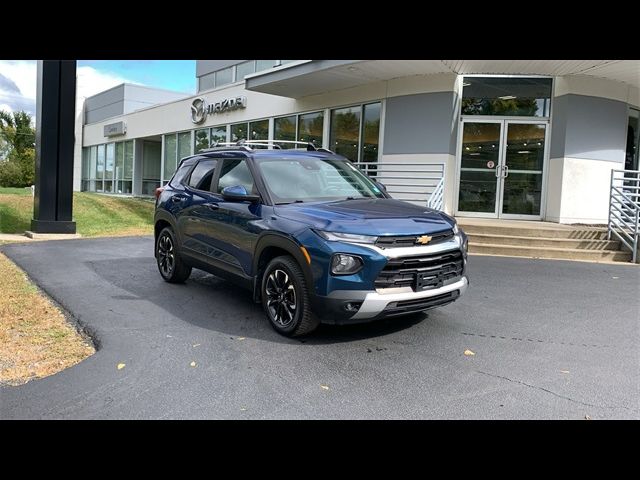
<point x="35" y="338"/>
<point x="95" y="214"/>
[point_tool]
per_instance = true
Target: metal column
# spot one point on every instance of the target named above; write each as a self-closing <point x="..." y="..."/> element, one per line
<point x="55" y="138"/>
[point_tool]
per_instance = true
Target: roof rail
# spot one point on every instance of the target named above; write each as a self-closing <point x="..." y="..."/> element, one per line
<point x="264" y="143"/>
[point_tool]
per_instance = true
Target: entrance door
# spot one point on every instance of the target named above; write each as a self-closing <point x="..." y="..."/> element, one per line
<point x="501" y="168"/>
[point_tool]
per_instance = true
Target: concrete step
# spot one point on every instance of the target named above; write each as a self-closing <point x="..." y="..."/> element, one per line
<point x="563" y="243"/>
<point x="550" y="252"/>
<point x="574" y="233"/>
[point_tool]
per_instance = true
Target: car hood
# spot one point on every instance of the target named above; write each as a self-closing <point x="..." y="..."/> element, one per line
<point x="368" y="216"/>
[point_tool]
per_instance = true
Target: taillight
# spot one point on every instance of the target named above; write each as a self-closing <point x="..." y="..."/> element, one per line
<point x="159" y="190"/>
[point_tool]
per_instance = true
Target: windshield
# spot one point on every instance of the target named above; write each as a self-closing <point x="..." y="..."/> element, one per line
<point x="315" y="179"/>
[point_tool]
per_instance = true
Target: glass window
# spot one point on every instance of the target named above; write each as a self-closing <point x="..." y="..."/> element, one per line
<point x="224" y="77"/>
<point x="170" y="152"/>
<point x="284" y="128"/>
<point x="370" y="133"/>
<point x="310" y="126"/>
<point x="528" y="97"/>
<point x="119" y="160"/>
<point x="117" y="186"/>
<point x="235" y="172"/>
<point x="201" y="140"/>
<point x="207" y="82"/>
<point x="218" y="134"/>
<point x="345" y="132"/>
<point x="150" y="167"/>
<point x="184" y="147"/>
<point x="109" y="167"/>
<point x="264" y="64"/>
<point x="85" y="163"/>
<point x="180" y="174"/>
<point x="100" y="169"/>
<point x="93" y="163"/>
<point x="239" y="132"/>
<point x="202" y="175"/>
<point x="315" y="179"/>
<point x="633" y="138"/>
<point x="259" y="130"/>
<point x="128" y="160"/>
<point x="244" y="69"/>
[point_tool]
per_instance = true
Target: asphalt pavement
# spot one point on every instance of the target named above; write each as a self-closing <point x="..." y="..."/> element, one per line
<point x="552" y="340"/>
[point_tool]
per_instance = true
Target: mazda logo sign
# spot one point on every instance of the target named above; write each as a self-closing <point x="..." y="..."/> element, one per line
<point x="200" y="109"/>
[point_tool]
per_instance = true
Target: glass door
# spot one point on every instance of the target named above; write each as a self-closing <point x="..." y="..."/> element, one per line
<point x="521" y="169"/>
<point x="501" y="165"/>
<point x="480" y="169"/>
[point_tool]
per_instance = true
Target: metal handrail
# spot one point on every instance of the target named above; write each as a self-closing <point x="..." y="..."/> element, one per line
<point x="437" y="197"/>
<point x="624" y="209"/>
<point x="418" y="182"/>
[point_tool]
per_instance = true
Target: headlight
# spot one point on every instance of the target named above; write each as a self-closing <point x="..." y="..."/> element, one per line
<point x="347" y="237"/>
<point x="342" y="264"/>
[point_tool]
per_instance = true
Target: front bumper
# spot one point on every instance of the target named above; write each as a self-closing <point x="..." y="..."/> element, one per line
<point x="400" y="300"/>
<point x="384" y="302"/>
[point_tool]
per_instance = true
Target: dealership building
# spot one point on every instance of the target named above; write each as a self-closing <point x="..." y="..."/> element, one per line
<point x="521" y="139"/>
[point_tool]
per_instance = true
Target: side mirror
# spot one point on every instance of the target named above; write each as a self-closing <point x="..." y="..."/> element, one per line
<point x="237" y="193"/>
<point x="381" y="186"/>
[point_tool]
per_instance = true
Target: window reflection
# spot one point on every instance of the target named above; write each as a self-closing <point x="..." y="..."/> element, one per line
<point x="527" y="97"/>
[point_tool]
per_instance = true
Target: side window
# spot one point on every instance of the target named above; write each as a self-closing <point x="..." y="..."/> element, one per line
<point x="180" y="174"/>
<point x="235" y="172"/>
<point x="203" y="174"/>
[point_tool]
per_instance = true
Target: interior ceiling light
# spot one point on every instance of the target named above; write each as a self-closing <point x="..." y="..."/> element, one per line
<point x="507" y="97"/>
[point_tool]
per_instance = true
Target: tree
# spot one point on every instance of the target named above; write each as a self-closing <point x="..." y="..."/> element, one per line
<point x="17" y="136"/>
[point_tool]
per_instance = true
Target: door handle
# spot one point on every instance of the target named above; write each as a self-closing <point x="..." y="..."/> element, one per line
<point x="177" y="198"/>
<point x="498" y="167"/>
<point x="506" y="171"/>
<point x="212" y="206"/>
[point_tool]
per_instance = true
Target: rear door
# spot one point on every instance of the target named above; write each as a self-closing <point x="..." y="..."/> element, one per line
<point x="195" y="203"/>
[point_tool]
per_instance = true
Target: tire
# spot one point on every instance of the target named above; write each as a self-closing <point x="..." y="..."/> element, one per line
<point x="170" y="265"/>
<point x="285" y="298"/>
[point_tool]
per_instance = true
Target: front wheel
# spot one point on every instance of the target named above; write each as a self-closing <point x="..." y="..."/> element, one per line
<point x="285" y="298"/>
<point x="170" y="265"/>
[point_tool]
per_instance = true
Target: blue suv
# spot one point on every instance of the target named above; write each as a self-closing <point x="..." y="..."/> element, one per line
<point x="308" y="233"/>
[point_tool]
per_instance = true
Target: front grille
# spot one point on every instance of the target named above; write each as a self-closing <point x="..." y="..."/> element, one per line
<point x="411" y="240"/>
<point x="420" y="304"/>
<point x="422" y="272"/>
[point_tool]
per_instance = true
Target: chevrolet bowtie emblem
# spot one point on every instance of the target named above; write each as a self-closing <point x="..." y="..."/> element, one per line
<point x="424" y="239"/>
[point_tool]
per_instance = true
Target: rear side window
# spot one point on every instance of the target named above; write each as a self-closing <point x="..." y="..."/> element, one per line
<point x="180" y="175"/>
<point x="202" y="175"/>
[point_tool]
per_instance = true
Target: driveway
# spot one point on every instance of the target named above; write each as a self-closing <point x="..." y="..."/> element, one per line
<point x="552" y="339"/>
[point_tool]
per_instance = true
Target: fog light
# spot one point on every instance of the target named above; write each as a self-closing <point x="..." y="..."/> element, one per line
<point x="352" y="306"/>
<point x="342" y="264"/>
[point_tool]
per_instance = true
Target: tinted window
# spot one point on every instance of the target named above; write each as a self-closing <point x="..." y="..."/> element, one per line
<point x="180" y="174"/>
<point x="235" y="172"/>
<point x="529" y="97"/>
<point x="202" y="175"/>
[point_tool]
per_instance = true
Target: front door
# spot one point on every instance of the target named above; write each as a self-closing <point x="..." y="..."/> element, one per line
<point x="501" y="168"/>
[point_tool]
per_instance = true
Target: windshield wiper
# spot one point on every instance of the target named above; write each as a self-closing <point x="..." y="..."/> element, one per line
<point x="289" y="203"/>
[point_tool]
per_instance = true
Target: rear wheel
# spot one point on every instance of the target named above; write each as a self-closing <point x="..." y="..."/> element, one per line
<point x="170" y="265"/>
<point x="285" y="298"/>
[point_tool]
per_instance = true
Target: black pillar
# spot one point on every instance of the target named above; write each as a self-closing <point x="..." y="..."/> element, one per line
<point x="55" y="138"/>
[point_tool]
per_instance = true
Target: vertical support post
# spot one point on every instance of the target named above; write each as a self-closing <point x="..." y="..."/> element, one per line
<point x="55" y="139"/>
<point x="610" y="201"/>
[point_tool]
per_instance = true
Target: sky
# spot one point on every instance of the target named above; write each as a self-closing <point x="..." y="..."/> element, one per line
<point x="18" y="78"/>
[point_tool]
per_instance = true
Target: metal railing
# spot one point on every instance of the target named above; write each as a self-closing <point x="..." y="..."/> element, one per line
<point x="436" y="199"/>
<point x="624" y="209"/>
<point x="415" y="182"/>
